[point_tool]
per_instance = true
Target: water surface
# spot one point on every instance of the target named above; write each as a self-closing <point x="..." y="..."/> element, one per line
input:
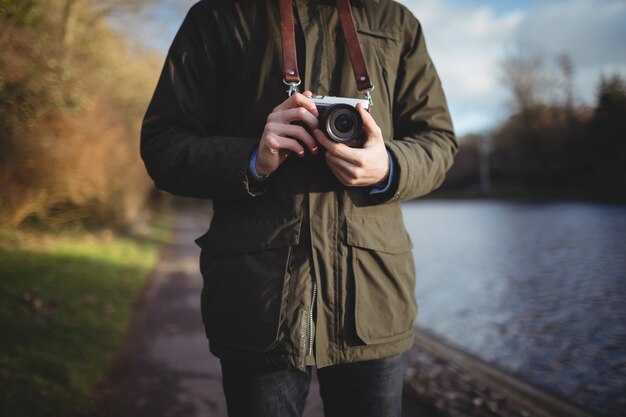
<point x="537" y="289"/>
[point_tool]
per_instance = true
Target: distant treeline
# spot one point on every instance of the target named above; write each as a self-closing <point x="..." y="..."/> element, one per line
<point x="549" y="147"/>
<point x="72" y="94"/>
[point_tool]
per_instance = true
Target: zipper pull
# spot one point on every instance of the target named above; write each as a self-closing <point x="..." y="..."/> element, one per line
<point x="302" y="341"/>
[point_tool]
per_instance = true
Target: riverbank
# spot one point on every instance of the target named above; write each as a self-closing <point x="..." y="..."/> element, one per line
<point x="457" y="384"/>
<point x="526" y="194"/>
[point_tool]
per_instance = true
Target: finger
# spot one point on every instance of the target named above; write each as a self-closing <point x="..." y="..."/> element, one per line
<point x="343" y="171"/>
<point x="299" y="133"/>
<point x="324" y="141"/>
<point x="293" y="131"/>
<point x="338" y="149"/>
<point x="289" y="144"/>
<point x="298" y="100"/>
<point x="342" y="165"/>
<point x="292" y="115"/>
<point x="275" y="142"/>
<point x="370" y="127"/>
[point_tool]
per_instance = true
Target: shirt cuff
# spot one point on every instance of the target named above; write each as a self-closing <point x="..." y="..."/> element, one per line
<point x="379" y="189"/>
<point x="252" y="167"/>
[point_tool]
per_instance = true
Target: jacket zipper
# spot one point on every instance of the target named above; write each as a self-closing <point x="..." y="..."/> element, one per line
<point x="311" y="322"/>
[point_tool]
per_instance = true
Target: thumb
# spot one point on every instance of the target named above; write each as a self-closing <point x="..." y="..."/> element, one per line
<point x="371" y="130"/>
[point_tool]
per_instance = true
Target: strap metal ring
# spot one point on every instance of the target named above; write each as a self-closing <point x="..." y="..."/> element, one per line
<point x="368" y="95"/>
<point x="293" y="87"/>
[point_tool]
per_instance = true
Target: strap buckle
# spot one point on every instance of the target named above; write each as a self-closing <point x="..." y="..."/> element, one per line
<point x="293" y="87"/>
<point x="368" y="96"/>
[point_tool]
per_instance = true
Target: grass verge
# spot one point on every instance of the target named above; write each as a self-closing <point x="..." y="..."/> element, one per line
<point x="65" y="304"/>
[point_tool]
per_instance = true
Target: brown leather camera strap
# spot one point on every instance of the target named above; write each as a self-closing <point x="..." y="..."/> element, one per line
<point x="288" y="38"/>
<point x="290" y="62"/>
<point x="359" y="67"/>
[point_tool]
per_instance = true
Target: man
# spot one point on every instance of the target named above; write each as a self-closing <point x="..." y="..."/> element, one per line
<point x="307" y="261"/>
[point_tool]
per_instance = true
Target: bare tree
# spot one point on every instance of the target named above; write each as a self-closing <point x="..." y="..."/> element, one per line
<point x="529" y="82"/>
<point x="530" y="85"/>
<point x="567" y="72"/>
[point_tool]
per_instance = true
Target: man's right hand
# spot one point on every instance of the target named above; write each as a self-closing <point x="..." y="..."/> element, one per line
<point x="281" y="138"/>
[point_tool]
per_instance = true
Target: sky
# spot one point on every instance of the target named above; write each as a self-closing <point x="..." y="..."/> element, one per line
<point x="469" y="39"/>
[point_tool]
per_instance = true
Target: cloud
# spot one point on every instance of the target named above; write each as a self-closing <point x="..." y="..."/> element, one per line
<point x="592" y="32"/>
<point x="468" y="43"/>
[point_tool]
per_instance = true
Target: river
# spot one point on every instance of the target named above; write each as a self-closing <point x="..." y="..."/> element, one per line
<point x="538" y="290"/>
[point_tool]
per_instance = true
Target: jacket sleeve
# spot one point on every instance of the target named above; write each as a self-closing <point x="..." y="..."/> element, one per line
<point x="424" y="144"/>
<point x="181" y="144"/>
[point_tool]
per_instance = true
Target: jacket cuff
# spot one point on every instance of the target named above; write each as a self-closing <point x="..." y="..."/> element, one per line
<point x="387" y="184"/>
<point x="252" y="167"/>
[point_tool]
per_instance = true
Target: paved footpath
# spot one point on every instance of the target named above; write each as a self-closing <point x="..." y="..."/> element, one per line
<point x="165" y="368"/>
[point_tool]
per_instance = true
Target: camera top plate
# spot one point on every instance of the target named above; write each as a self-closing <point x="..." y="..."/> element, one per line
<point x="330" y="100"/>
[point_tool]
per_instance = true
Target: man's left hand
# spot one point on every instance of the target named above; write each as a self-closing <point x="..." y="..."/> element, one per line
<point x="366" y="166"/>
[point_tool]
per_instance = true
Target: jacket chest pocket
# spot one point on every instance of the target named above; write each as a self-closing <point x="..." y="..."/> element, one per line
<point x="246" y="272"/>
<point x="381" y="51"/>
<point x="384" y="278"/>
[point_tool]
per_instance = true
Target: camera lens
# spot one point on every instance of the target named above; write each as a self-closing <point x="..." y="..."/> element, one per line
<point x="344" y="123"/>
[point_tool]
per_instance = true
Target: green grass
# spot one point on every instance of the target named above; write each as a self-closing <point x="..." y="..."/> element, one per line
<point x="65" y="304"/>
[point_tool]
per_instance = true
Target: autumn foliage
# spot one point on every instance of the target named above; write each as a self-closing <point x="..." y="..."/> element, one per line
<point x="72" y="95"/>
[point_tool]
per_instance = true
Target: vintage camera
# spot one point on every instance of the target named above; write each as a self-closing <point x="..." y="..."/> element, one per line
<point x="340" y="120"/>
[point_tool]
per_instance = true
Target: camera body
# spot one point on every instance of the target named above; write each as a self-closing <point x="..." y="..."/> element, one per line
<point x="340" y="120"/>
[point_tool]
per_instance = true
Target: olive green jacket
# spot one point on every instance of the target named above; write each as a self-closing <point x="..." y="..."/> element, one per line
<point x="298" y="269"/>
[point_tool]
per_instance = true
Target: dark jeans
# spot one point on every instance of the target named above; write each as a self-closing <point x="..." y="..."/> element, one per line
<point x="361" y="389"/>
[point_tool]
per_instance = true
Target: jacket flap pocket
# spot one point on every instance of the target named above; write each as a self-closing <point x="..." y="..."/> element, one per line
<point x="243" y="236"/>
<point x="382" y="234"/>
<point x="368" y="34"/>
